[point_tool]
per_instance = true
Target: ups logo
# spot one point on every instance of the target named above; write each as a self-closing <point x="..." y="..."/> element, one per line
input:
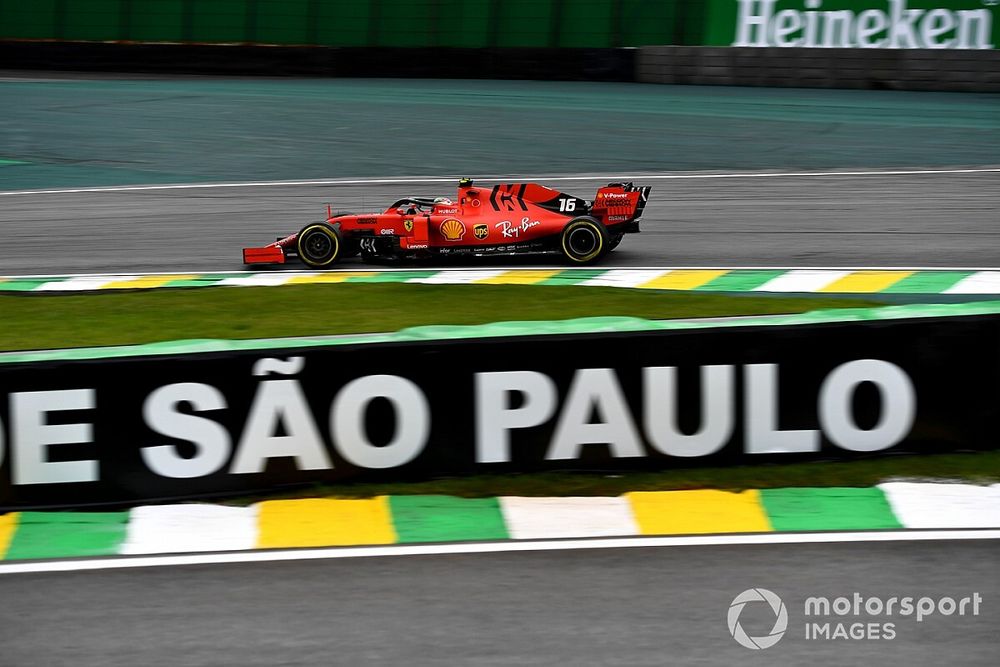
<point x="481" y="231"/>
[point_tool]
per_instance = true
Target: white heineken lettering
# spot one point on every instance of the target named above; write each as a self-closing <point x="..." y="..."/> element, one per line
<point x="871" y="22"/>
<point x="812" y="24"/>
<point x="787" y="22"/>
<point x="758" y="23"/>
<point x="897" y="26"/>
<point x="937" y="23"/>
<point x="901" y="34"/>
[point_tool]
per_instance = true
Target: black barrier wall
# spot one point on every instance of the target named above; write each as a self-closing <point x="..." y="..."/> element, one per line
<point x="139" y="429"/>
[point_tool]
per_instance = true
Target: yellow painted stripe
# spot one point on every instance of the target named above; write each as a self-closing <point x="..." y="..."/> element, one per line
<point x="335" y="277"/>
<point x="147" y="282"/>
<point x="8" y="524"/>
<point x="686" y="512"/>
<point x="320" y="522"/>
<point x="866" y="281"/>
<point x="682" y="279"/>
<point x="518" y="278"/>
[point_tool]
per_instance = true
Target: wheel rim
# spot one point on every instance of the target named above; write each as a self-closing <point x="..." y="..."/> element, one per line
<point x="582" y="241"/>
<point x="317" y="246"/>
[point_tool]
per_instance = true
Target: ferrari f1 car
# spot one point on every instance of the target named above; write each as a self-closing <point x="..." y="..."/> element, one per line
<point x="504" y="219"/>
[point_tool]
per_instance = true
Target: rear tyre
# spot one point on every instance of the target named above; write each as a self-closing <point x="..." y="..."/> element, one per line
<point x="319" y="245"/>
<point x="584" y="241"/>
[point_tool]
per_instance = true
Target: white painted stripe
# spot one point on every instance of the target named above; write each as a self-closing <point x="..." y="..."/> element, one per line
<point x="927" y="505"/>
<point x="458" y="277"/>
<point x="74" y="565"/>
<point x="983" y="282"/>
<point x="504" y="179"/>
<point x="78" y="284"/>
<point x="156" y="529"/>
<point x="258" y="280"/>
<point x="801" y="280"/>
<point x="551" y="518"/>
<point x="624" y="278"/>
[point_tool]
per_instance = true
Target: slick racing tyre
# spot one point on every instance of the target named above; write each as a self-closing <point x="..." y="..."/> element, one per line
<point x="319" y="245"/>
<point x="584" y="241"/>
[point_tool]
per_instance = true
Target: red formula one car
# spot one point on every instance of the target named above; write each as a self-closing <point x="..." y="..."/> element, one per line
<point x="506" y="219"/>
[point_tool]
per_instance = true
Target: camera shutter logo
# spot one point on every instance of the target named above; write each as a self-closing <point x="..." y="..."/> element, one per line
<point x="780" y="618"/>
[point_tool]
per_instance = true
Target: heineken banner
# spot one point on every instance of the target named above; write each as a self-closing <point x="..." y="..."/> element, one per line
<point x="81" y="428"/>
<point x="847" y="24"/>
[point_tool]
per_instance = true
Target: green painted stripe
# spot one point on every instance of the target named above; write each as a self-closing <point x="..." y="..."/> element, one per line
<point x="67" y="534"/>
<point x="835" y="508"/>
<point x="204" y="280"/>
<point x="25" y="284"/>
<point x="573" y="276"/>
<point x="8" y="163"/>
<point x="740" y="281"/>
<point x="447" y="519"/>
<point x="392" y="277"/>
<point x="927" y="282"/>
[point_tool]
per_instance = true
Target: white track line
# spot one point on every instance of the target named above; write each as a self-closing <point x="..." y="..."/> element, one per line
<point x="418" y="180"/>
<point x="366" y="269"/>
<point x="493" y="547"/>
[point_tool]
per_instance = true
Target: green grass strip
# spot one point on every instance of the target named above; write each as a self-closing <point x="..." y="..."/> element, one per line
<point x="67" y="534"/>
<point x="740" y="281"/>
<point x="837" y="508"/>
<point x="446" y="519"/>
<point x="927" y="282"/>
<point x="43" y="321"/>
<point x="974" y="468"/>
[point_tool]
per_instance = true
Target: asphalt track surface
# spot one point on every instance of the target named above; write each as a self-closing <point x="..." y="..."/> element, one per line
<point x="870" y="220"/>
<point x="592" y="607"/>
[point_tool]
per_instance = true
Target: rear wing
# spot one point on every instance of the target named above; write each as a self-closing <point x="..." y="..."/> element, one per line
<point x="620" y="202"/>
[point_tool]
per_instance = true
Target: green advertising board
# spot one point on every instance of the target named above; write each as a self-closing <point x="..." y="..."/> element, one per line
<point x="870" y="24"/>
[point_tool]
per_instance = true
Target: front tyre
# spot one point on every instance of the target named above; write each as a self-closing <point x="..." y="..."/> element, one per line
<point x="584" y="241"/>
<point x="319" y="245"/>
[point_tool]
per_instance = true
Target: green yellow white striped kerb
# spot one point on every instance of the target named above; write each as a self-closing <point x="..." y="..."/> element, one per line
<point x="829" y="281"/>
<point x="322" y="522"/>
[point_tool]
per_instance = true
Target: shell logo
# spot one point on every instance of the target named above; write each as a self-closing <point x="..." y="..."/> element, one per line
<point x="452" y="229"/>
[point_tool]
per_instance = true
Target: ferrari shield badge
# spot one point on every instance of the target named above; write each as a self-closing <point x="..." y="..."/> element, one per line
<point x="408" y="225"/>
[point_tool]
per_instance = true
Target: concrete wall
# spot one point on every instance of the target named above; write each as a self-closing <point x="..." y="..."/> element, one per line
<point x="897" y="69"/>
